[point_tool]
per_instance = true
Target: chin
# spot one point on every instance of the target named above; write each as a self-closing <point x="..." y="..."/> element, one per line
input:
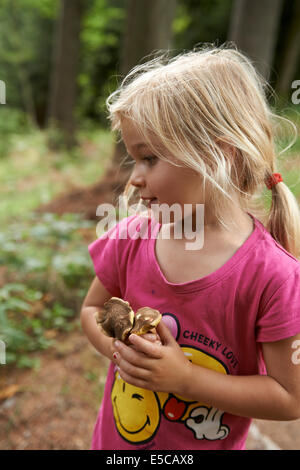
<point x="157" y="215"/>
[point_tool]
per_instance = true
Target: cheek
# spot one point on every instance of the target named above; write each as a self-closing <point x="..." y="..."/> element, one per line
<point x="172" y="184"/>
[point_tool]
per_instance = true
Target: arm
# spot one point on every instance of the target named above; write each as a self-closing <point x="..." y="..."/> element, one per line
<point x="97" y="295"/>
<point x="274" y="396"/>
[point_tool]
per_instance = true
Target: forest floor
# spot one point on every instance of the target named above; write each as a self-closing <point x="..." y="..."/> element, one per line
<point x="55" y="405"/>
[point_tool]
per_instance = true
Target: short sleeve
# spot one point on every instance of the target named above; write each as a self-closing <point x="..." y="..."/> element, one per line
<point x="103" y="252"/>
<point x="280" y="317"/>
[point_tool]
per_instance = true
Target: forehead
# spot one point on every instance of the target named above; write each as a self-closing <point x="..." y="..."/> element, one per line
<point x="132" y="135"/>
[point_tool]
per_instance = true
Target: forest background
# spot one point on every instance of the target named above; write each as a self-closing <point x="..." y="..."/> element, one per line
<point x="59" y="60"/>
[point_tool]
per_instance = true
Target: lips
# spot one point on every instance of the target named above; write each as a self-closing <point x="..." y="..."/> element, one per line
<point x="153" y="201"/>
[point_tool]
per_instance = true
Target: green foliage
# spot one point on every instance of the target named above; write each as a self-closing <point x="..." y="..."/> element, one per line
<point x="26" y="37"/>
<point x="201" y="21"/>
<point x="29" y="247"/>
<point x="52" y="270"/>
<point x="101" y="36"/>
<point x="12" y="122"/>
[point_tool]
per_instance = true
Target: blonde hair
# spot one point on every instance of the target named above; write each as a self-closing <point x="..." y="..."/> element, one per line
<point x="197" y="105"/>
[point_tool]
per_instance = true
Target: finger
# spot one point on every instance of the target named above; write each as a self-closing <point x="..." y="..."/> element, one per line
<point x="133" y="371"/>
<point x="152" y="336"/>
<point x="149" y="337"/>
<point x="149" y="348"/>
<point x="133" y="380"/>
<point x="133" y="355"/>
<point x="164" y="333"/>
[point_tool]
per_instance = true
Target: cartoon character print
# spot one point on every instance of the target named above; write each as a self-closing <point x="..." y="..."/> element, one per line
<point x="138" y="412"/>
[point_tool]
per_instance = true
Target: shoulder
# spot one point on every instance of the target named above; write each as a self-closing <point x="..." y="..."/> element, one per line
<point x="273" y="269"/>
<point x="275" y="278"/>
<point x="271" y="259"/>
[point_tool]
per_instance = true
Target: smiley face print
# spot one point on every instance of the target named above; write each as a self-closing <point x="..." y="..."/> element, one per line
<point x="136" y="411"/>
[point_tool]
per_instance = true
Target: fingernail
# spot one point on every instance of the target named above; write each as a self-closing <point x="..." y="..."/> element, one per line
<point x="115" y="355"/>
<point x="117" y="343"/>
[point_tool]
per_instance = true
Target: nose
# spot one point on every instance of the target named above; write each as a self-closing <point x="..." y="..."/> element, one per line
<point x="137" y="179"/>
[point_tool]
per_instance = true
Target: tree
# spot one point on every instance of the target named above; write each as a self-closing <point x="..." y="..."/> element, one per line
<point x="65" y="59"/>
<point x="254" y="28"/>
<point x="289" y="58"/>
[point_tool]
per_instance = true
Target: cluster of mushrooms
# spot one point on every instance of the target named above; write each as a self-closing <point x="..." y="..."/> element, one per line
<point x="117" y="319"/>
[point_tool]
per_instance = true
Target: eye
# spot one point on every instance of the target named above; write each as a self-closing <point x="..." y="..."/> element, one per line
<point x="137" y="396"/>
<point x="151" y="159"/>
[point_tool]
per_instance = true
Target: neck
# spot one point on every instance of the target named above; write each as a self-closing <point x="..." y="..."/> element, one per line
<point x="237" y="221"/>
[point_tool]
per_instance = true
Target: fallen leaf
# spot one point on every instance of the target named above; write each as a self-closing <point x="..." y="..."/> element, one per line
<point x="9" y="391"/>
<point x="49" y="334"/>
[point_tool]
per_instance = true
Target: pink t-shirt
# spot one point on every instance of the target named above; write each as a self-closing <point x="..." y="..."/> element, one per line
<point x="218" y="320"/>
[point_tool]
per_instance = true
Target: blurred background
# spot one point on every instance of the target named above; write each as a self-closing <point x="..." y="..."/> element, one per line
<point x="59" y="60"/>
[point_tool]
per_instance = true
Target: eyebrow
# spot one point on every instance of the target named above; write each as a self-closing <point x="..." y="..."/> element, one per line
<point x="140" y="145"/>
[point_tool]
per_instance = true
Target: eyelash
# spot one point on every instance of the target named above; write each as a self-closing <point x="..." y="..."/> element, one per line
<point x="150" y="159"/>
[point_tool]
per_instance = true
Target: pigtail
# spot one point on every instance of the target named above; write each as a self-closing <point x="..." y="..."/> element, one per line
<point x="283" y="221"/>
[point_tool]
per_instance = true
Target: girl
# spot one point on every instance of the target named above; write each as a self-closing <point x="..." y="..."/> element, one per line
<point x="199" y="130"/>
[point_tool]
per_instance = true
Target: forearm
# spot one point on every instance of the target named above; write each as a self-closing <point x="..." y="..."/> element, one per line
<point x="102" y="343"/>
<point x="260" y="397"/>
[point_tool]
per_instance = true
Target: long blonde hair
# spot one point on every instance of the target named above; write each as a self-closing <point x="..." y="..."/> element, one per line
<point x="196" y="105"/>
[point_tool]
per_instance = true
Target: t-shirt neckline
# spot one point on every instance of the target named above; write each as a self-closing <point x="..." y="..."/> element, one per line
<point x="212" y="278"/>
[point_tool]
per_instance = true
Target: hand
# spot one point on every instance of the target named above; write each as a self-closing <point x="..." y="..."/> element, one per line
<point x="158" y="367"/>
<point x="152" y="336"/>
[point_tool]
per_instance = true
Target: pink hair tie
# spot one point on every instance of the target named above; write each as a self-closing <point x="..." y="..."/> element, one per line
<point x="271" y="181"/>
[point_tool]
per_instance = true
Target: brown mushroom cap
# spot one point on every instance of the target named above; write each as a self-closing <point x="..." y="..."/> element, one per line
<point x="146" y="319"/>
<point x="117" y="319"/>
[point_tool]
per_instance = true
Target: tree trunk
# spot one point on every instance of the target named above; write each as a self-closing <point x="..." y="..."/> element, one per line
<point x="254" y="29"/>
<point x="63" y="83"/>
<point x="291" y="52"/>
<point x="148" y="29"/>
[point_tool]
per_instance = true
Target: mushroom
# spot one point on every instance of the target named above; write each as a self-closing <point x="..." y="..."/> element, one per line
<point x="146" y="319"/>
<point x="117" y="319"/>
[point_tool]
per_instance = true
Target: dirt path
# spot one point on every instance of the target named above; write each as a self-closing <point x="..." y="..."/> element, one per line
<point x="56" y="406"/>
